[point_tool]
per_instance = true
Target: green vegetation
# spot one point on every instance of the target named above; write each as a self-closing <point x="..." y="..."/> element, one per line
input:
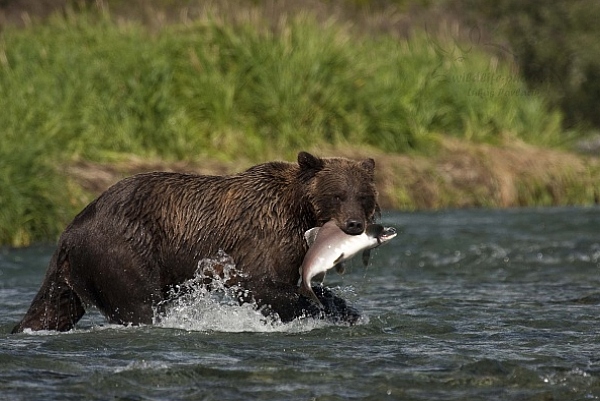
<point x="86" y="86"/>
<point x="556" y="46"/>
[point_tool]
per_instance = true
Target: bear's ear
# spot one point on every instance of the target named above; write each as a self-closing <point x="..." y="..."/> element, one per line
<point x="308" y="161"/>
<point x="309" y="164"/>
<point x="369" y="166"/>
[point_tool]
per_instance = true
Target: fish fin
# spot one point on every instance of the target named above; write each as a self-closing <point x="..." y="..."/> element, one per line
<point x="320" y="277"/>
<point x="339" y="259"/>
<point x="311" y="235"/>
<point x="308" y="292"/>
<point x="340" y="268"/>
<point x="366" y="256"/>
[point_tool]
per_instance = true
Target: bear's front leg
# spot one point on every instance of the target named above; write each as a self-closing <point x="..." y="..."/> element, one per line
<point x="283" y="299"/>
<point x="335" y="308"/>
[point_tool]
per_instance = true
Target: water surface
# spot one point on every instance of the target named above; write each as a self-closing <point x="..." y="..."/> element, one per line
<point x="462" y="305"/>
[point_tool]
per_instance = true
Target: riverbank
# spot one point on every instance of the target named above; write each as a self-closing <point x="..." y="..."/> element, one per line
<point x="460" y="175"/>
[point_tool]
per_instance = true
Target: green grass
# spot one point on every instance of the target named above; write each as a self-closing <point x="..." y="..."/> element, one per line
<point x="84" y="86"/>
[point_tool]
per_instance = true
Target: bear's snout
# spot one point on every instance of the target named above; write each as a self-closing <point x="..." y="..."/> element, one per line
<point x="354" y="227"/>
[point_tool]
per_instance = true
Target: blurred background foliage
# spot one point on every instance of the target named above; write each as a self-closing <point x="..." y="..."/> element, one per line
<point x="554" y="43"/>
<point x="249" y="80"/>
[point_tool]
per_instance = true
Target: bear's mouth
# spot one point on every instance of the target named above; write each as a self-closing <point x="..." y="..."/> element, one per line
<point x="343" y="226"/>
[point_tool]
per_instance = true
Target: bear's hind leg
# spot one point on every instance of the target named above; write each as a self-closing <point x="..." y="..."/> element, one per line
<point x="55" y="307"/>
<point x="115" y="278"/>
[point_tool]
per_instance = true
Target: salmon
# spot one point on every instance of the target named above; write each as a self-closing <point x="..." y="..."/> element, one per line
<point x="329" y="247"/>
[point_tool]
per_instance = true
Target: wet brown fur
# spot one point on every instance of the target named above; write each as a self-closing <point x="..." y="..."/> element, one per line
<point x="127" y="249"/>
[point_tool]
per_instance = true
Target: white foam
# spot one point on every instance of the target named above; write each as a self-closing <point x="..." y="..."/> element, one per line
<point x="198" y="309"/>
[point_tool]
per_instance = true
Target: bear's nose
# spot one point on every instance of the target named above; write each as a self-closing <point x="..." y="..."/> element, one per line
<point x="354" y="227"/>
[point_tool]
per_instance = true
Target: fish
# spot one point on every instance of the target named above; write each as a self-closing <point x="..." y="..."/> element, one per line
<point x="329" y="247"/>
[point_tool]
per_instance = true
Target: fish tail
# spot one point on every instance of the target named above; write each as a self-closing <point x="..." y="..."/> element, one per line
<point x="307" y="292"/>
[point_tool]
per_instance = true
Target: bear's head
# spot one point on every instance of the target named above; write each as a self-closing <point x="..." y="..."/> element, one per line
<point x="342" y="190"/>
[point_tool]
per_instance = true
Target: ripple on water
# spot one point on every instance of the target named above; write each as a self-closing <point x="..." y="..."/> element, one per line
<point x="465" y="305"/>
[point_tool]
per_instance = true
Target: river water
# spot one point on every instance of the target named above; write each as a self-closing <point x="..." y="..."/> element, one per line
<point x="462" y="305"/>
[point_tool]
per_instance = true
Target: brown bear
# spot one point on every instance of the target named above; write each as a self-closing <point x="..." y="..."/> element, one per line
<point x="127" y="250"/>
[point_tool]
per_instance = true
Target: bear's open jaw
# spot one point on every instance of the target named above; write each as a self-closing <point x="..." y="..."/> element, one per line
<point x="330" y="246"/>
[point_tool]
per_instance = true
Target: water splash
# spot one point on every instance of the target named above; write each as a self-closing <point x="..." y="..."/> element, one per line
<point x="207" y="303"/>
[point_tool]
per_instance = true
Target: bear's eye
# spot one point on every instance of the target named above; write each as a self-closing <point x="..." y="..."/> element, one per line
<point x="338" y="197"/>
<point x="365" y="200"/>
